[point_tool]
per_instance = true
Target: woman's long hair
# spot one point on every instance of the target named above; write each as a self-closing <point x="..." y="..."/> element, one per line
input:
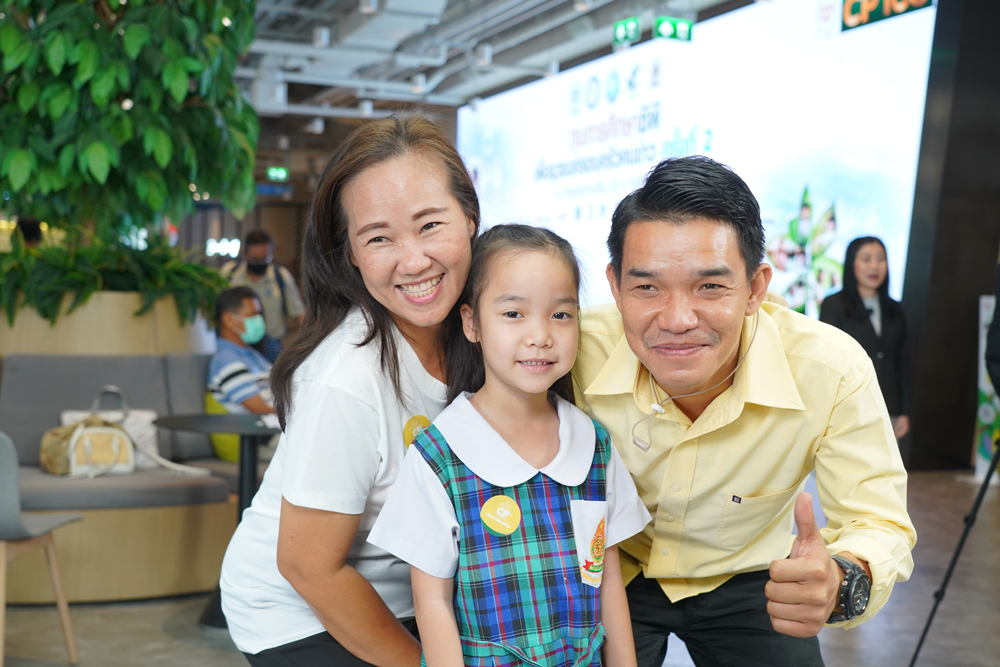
<point x="502" y="240"/>
<point x="854" y="307"/>
<point x="331" y="284"/>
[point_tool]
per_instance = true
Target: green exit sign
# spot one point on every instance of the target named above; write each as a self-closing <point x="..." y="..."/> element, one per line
<point x="668" y="27"/>
<point x="277" y="174"/>
<point x="627" y="30"/>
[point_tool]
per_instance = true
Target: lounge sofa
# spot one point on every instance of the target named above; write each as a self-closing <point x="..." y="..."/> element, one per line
<point x="149" y="534"/>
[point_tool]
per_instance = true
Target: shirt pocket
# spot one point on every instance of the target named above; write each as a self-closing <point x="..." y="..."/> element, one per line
<point x="743" y="517"/>
<point x="589" y="531"/>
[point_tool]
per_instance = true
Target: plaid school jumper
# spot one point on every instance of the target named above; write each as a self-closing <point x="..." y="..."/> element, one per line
<point x="519" y="599"/>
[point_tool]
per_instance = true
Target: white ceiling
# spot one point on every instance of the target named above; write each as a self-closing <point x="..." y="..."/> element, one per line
<point x="342" y="62"/>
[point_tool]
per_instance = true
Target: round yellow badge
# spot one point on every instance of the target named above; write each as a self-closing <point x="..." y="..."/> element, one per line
<point x="414" y="425"/>
<point x="500" y="515"/>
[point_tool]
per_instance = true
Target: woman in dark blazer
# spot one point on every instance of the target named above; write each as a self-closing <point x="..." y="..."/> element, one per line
<point x="864" y="310"/>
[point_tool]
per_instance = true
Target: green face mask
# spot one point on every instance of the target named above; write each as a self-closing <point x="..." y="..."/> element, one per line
<point x="253" y="329"/>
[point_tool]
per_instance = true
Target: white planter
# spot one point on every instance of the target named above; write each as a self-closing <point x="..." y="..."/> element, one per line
<point x="106" y="324"/>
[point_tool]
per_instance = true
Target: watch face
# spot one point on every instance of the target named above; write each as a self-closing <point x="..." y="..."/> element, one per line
<point x="860" y="589"/>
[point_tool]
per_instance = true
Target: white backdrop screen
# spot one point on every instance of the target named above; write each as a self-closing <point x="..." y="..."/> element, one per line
<point x="823" y="125"/>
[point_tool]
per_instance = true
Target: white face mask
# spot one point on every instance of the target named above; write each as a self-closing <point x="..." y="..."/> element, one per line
<point x="656" y="407"/>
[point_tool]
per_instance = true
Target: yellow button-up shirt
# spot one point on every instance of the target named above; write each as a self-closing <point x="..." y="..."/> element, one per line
<point x="722" y="489"/>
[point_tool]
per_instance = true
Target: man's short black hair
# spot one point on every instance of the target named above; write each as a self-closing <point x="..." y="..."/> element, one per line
<point x="231" y="301"/>
<point x="258" y="237"/>
<point x="685" y="188"/>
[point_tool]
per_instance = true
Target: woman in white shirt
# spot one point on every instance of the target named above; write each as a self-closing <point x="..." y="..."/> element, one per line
<point x="385" y="257"/>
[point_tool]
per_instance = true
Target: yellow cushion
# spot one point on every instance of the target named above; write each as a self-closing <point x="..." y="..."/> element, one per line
<point x="226" y="445"/>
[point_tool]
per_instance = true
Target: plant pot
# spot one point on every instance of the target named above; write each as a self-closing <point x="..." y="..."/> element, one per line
<point x="107" y="324"/>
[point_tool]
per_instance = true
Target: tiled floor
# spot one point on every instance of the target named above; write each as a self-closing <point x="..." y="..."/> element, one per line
<point x="165" y="633"/>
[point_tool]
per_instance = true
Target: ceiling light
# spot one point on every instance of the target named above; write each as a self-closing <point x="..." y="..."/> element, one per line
<point x="418" y="84"/>
<point x="316" y="126"/>
<point x="321" y="37"/>
<point x="367" y="6"/>
<point x="484" y="55"/>
<point x="366" y="107"/>
<point x="582" y="5"/>
<point x="552" y="68"/>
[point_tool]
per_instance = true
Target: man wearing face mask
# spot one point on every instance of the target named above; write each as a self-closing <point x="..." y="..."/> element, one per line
<point x="239" y="376"/>
<point x="279" y="295"/>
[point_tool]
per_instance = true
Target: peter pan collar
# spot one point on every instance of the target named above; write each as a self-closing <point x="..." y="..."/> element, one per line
<point x="489" y="456"/>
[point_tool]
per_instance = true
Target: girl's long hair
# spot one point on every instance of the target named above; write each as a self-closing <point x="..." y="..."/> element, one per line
<point x="854" y="307"/>
<point x="331" y="284"/>
<point x="495" y="243"/>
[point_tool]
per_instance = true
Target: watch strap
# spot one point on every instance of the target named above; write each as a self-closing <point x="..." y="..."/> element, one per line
<point x="852" y="572"/>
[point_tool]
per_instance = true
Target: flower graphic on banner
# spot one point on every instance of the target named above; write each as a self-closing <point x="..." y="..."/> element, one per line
<point x="801" y="252"/>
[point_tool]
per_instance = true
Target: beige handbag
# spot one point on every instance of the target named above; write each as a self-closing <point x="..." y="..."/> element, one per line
<point x="88" y="448"/>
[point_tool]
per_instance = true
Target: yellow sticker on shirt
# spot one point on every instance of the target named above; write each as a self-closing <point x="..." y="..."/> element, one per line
<point x="414" y="425"/>
<point x="500" y="515"/>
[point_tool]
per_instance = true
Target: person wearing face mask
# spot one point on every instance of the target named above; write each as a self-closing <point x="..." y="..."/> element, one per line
<point x="864" y="309"/>
<point x="239" y="376"/>
<point x="279" y="295"/>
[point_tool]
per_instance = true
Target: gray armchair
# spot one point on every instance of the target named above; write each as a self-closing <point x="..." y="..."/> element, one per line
<point x="21" y="533"/>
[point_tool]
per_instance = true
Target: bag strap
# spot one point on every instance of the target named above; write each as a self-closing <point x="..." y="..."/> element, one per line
<point x="115" y="391"/>
<point x="78" y="433"/>
<point x="281" y="288"/>
<point x="178" y="468"/>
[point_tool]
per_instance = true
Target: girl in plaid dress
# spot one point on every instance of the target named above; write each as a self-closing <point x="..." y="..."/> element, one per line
<point x="509" y="505"/>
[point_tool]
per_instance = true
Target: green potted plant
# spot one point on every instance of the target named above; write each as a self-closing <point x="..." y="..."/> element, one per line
<point x="113" y="115"/>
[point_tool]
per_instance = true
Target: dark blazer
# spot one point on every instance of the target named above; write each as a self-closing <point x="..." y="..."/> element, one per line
<point x="993" y="340"/>
<point x="888" y="351"/>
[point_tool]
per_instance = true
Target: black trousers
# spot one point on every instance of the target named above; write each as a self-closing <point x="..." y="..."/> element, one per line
<point x="727" y="627"/>
<point x="320" y="650"/>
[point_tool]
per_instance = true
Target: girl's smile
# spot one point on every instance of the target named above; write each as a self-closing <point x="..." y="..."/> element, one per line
<point x="527" y="323"/>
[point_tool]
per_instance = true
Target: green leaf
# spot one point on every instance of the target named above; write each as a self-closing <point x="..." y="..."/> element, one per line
<point x="157" y="194"/>
<point x="121" y="128"/>
<point x="124" y="77"/>
<point x="41" y="148"/>
<point x="27" y="96"/>
<point x="66" y="156"/>
<point x="88" y="61"/>
<point x="175" y="80"/>
<point x="10" y="39"/>
<point x="20" y="54"/>
<point x="60" y="102"/>
<point x="102" y="86"/>
<point x="55" y="52"/>
<point x="149" y="139"/>
<point x="136" y="37"/>
<point x="98" y="161"/>
<point x="22" y="163"/>
<point x="190" y="27"/>
<point x="164" y="150"/>
<point x="192" y="65"/>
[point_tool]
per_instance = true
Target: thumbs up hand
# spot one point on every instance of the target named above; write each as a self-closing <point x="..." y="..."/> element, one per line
<point x="805" y="587"/>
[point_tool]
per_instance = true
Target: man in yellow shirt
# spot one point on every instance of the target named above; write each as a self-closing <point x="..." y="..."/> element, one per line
<point x="721" y="402"/>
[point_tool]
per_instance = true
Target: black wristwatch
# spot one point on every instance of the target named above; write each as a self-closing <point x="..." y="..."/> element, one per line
<point x="854" y="591"/>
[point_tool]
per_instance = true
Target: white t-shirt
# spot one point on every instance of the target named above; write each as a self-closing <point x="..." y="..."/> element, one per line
<point x="418" y="522"/>
<point x="343" y="447"/>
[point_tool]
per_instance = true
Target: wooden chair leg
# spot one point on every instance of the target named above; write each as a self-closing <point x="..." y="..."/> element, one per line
<point x="67" y="625"/>
<point x="3" y="595"/>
